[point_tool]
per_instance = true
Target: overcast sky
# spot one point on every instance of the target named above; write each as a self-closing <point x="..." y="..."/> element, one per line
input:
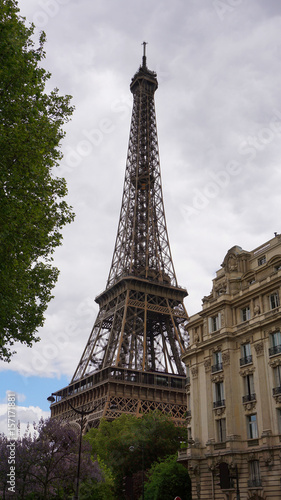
<point x="218" y="114"/>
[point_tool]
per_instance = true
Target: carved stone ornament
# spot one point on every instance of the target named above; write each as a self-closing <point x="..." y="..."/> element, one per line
<point x="257" y="309"/>
<point x="249" y="407"/>
<point x="232" y="263"/>
<point x="196" y="338"/>
<point x="275" y="362"/>
<point x="247" y="371"/>
<point x="251" y="457"/>
<point x="193" y="467"/>
<point x="217" y="378"/>
<point x="207" y="364"/>
<point x="259" y="348"/>
<point x="277" y="399"/>
<point x="194" y="372"/>
<point x="219" y="411"/>
<point x="268" y="458"/>
<point x="218" y="348"/>
<point x="225" y="358"/>
<point x="276" y="328"/>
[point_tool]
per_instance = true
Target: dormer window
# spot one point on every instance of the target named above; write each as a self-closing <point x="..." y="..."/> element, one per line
<point x="274" y="300"/>
<point x="215" y="323"/>
<point x="262" y="260"/>
<point x="245" y="313"/>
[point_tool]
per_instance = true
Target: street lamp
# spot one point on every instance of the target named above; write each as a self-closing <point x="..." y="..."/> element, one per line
<point x="132" y="448"/>
<point x="81" y="412"/>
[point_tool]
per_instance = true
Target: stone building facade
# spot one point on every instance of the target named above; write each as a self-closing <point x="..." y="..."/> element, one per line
<point x="234" y="380"/>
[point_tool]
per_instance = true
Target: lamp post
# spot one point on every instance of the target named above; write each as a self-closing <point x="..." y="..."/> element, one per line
<point x="132" y="448"/>
<point x="81" y="412"/>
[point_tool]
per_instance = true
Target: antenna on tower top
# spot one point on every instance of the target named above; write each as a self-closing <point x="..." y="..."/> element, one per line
<point x="144" y="55"/>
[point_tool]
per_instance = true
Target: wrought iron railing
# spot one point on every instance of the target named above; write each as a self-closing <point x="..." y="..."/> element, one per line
<point x="246" y="360"/>
<point x="274" y="350"/>
<point x="249" y="397"/>
<point x="220" y="402"/>
<point x="217" y="367"/>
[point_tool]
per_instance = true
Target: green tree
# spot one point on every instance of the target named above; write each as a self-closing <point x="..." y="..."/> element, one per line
<point x="167" y="480"/>
<point x="129" y="444"/>
<point x="32" y="206"/>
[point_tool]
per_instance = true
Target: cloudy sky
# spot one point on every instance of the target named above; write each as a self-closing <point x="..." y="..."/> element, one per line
<point x="219" y="128"/>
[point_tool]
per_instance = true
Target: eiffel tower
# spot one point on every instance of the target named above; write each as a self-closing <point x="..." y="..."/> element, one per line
<point x="132" y="360"/>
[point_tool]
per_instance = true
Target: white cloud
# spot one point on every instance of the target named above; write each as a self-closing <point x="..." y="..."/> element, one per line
<point x="218" y="89"/>
<point x="24" y="418"/>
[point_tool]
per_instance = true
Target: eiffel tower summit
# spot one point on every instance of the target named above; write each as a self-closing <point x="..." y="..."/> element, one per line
<point x="132" y="360"/>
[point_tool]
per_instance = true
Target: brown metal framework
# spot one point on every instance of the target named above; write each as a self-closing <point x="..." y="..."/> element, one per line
<point x="141" y="321"/>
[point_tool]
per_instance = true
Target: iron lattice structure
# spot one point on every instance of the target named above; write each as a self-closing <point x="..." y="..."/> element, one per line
<point x="140" y="327"/>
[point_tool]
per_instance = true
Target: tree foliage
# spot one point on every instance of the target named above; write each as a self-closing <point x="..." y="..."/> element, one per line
<point x="46" y="464"/>
<point x="167" y="480"/>
<point x="32" y="206"/>
<point x="129" y="444"/>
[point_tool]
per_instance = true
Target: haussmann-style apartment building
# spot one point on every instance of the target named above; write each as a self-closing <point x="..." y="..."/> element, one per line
<point x="234" y="380"/>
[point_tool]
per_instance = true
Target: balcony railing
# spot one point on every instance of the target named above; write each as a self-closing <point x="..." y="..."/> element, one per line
<point x="274" y="350"/>
<point x="217" y="404"/>
<point x="276" y="391"/>
<point x="246" y="360"/>
<point x="254" y="483"/>
<point x="217" y="367"/>
<point x="249" y="397"/>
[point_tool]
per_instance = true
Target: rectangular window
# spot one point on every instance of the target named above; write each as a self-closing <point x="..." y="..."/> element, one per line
<point x="221" y="430"/>
<point x="245" y="313"/>
<point x="274" y="300"/>
<point x="217" y="357"/>
<point x="277" y="375"/>
<point x="279" y="420"/>
<point x="255" y="477"/>
<point x="275" y="339"/>
<point x="278" y="412"/>
<point x="218" y="394"/>
<point x="246" y="356"/>
<point x="215" y="323"/>
<point x="217" y="361"/>
<point x="249" y="388"/>
<point x="262" y="260"/>
<point x="275" y="342"/>
<point x="252" y="427"/>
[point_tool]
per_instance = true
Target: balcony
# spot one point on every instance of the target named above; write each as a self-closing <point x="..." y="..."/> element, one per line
<point x="276" y="349"/>
<point x="219" y="403"/>
<point x="217" y="368"/>
<point x="276" y="391"/>
<point x="246" y="360"/>
<point x="249" y="397"/>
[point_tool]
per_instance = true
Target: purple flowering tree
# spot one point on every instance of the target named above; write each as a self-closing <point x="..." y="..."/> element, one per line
<point x="46" y="464"/>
